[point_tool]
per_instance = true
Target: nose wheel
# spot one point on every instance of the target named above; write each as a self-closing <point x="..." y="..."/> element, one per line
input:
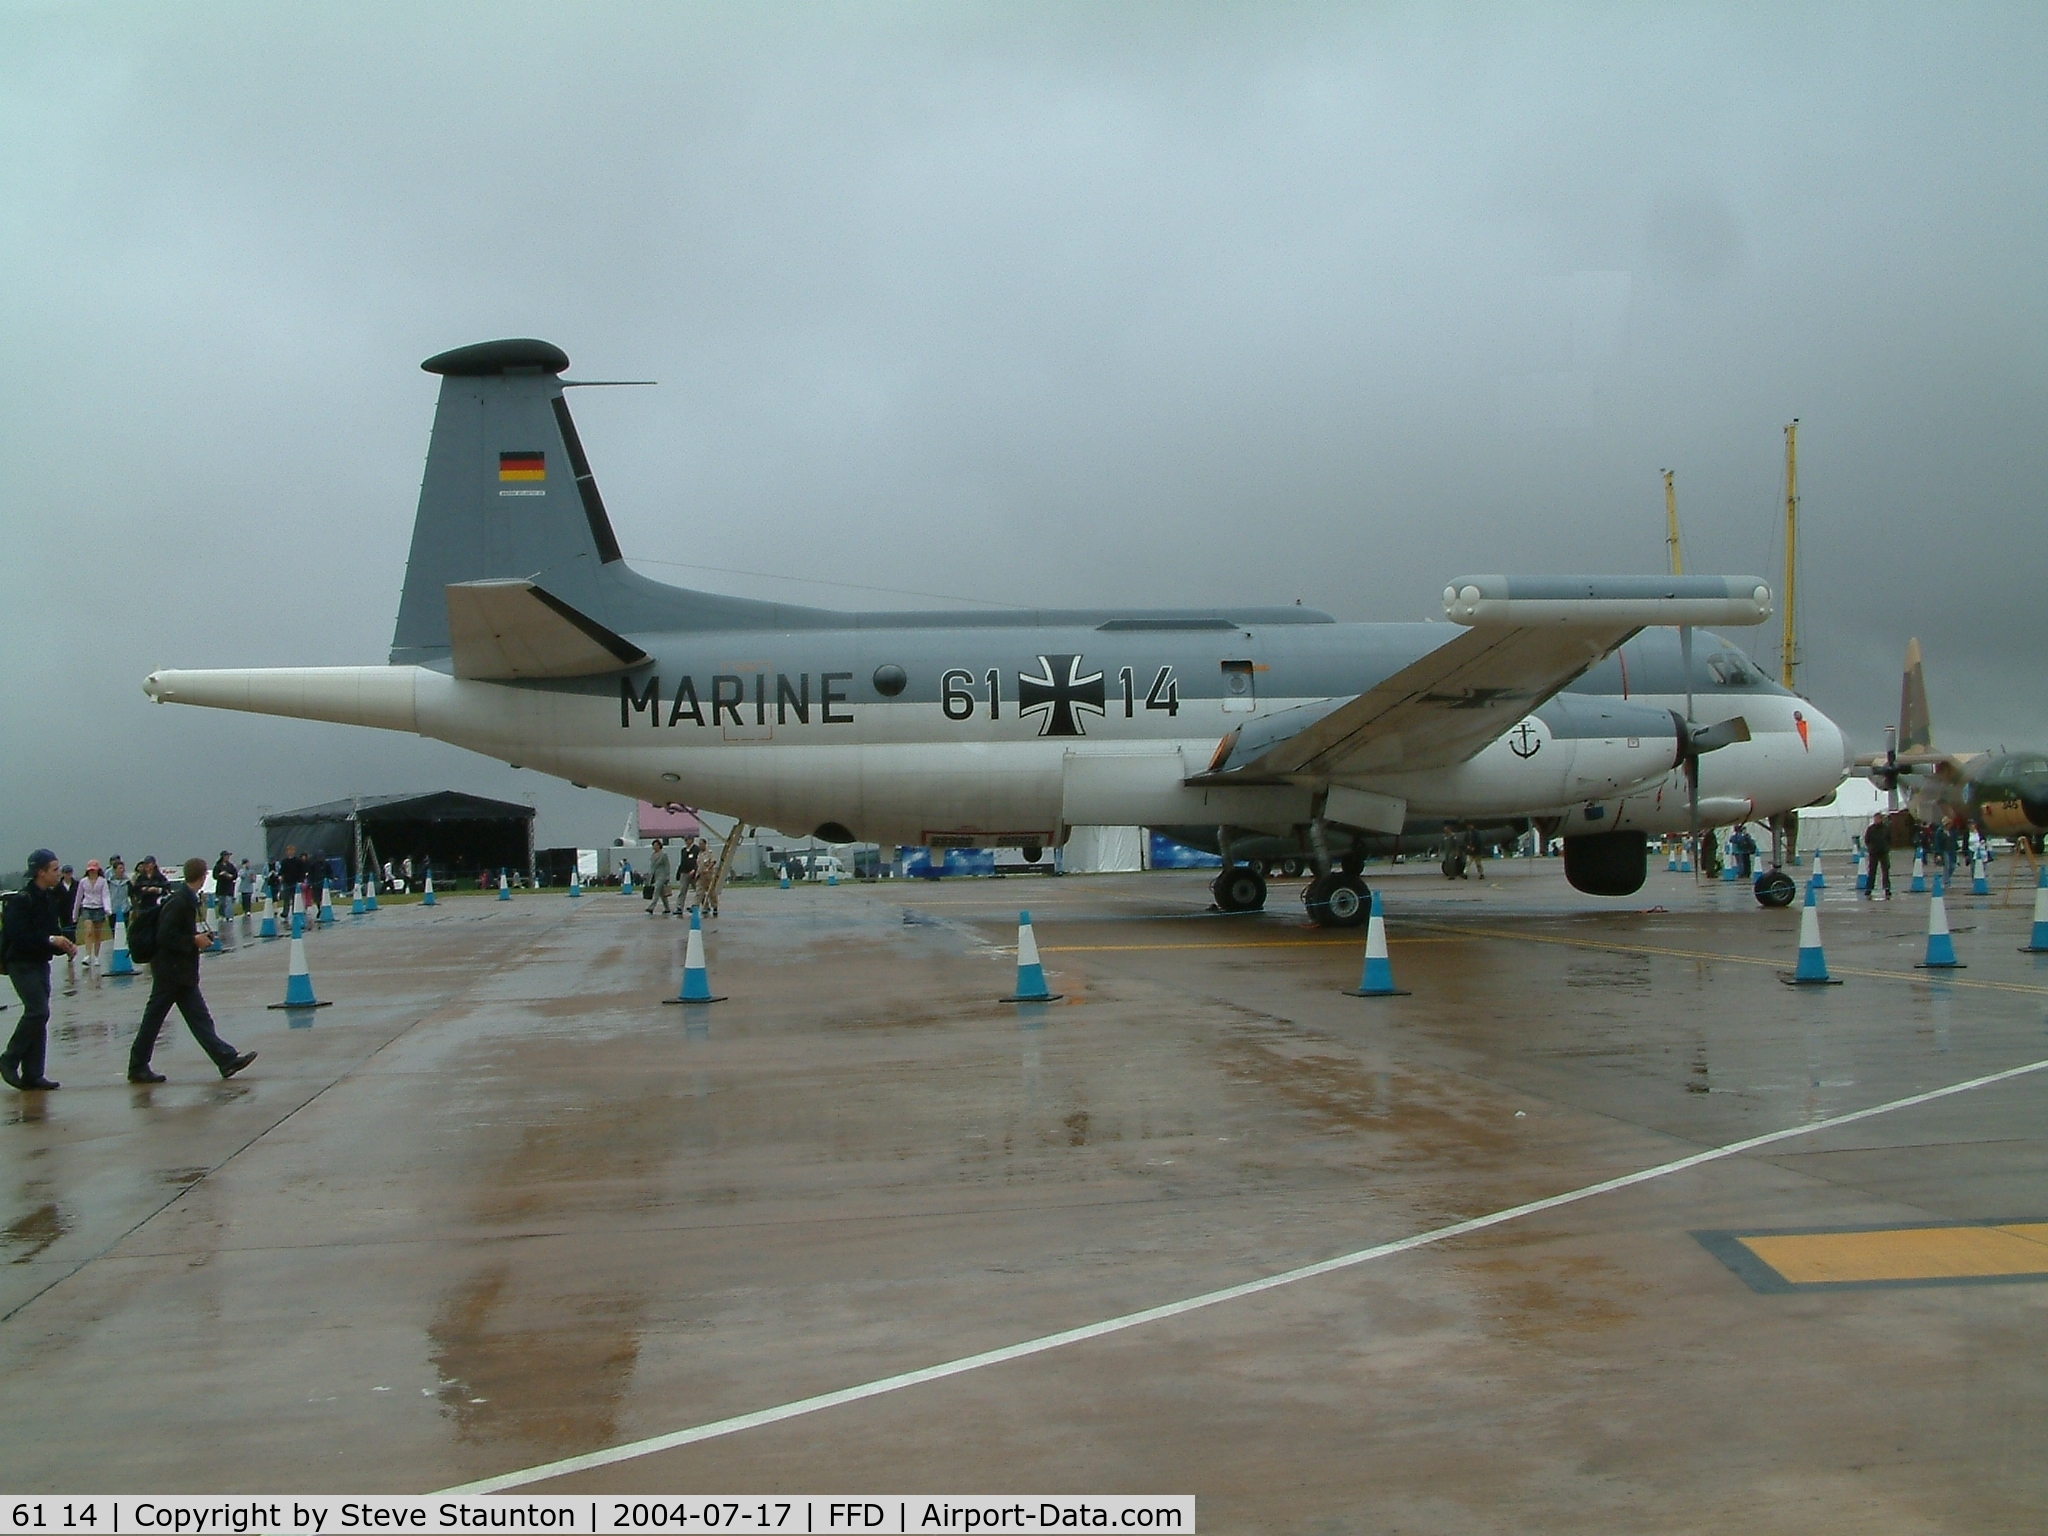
<point x="1775" y="889"/>
<point x="1239" y="888"/>
<point x="1336" y="900"/>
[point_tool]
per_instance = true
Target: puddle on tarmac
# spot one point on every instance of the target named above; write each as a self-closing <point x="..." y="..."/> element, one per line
<point x="542" y="1349"/>
<point x="36" y="1231"/>
<point x="1337" y="1092"/>
<point x="537" y="1366"/>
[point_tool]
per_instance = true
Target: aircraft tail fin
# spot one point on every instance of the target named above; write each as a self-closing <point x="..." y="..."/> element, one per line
<point x="1916" y="727"/>
<point x="507" y="492"/>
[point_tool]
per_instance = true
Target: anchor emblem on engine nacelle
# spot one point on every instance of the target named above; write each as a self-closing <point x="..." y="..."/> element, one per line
<point x="1524" y="740"/>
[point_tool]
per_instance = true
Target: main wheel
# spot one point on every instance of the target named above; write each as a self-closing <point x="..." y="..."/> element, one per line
<point x="1775" y="888"/>
<point x="1240" y="888"/>
<point x="1336" y="901"/>
<point x="1290" y="867"/>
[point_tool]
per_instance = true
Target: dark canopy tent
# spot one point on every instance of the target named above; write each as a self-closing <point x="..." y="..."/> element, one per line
<point x="461" y="834"/>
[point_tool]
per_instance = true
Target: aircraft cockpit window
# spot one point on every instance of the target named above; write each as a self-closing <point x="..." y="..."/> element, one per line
<point x="1733" y="671"/>
<point x="2029" y="765"/>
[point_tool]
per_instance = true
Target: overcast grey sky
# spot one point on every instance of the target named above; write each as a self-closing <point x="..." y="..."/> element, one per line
<point x="1074" y="305"/>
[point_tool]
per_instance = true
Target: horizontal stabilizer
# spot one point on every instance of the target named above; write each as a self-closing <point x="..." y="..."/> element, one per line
<point x="507" y="629"/>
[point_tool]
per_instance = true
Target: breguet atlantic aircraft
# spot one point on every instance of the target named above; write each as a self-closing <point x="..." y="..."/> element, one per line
<point x="523" y="634"/>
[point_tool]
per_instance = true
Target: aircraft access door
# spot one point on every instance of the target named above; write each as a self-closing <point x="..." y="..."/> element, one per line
<point x="1240" y="689"/>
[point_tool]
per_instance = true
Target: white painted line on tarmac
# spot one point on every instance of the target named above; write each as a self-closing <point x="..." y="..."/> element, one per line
<point x="1038" y="1346"/>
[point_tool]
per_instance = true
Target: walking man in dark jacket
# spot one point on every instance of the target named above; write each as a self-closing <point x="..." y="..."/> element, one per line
<point x="1877" y="842"/>
<point x="176" y="972"/>
<point x="31" y="931"/>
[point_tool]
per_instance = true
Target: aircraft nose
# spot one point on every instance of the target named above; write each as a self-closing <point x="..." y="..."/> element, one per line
<point x="2034" y="796"/>
<point x="1828" y="742"/>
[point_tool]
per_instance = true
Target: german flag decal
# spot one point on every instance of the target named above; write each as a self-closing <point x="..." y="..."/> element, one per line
<point x="522" y="466"/>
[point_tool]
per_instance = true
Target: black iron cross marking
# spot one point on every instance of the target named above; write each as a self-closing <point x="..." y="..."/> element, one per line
<point x="1523" y="741"/>
<point x="1059" y="691"/>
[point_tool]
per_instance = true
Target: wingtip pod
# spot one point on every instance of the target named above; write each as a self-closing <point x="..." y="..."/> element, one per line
<point x="1732" y="601"/>
<point x="384" y="697"/>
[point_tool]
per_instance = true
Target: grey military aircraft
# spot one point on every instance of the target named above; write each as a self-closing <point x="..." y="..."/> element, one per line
<point x="523" y="634"/>
<point x="2001" y="794"/>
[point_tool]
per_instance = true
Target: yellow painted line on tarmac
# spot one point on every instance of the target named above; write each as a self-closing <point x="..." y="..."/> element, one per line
<point x="1904" y="1253"/>
<point x="1946" y="978"/>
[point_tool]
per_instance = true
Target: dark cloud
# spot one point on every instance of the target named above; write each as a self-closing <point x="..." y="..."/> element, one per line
<point x="1027" y="304"/>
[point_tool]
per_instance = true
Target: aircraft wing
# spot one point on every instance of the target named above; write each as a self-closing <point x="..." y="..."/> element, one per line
<point x="508" y="629"/>
<point x="1527" y="638"/>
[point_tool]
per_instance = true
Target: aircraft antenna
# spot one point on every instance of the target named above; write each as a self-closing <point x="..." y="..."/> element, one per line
<point x="1671" y="523"/>
<point x="1787" y="654"/>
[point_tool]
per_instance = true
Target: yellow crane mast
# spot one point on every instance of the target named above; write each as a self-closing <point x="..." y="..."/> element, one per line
<point x="1671" y="523"/>
<point x="1787" y="656"/>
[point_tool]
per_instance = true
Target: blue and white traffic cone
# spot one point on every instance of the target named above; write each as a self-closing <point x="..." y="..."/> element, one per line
<point x="1685" y="856"/>
<point x="2038" y="944"/>
<point x="298" y="914"/>
<point x="1941" y="949"/>
<point x="121" y="963"/>
<point x="626" y="885"/>
<point x="1862" y="874"/>
<point x="1820" y="880"/>
<point x="267" y="928"/>
<point x="1919" y="872"/>
<point x="504" y="886"/>
<point x="1979" y="886"/>
<point x="1031" y="986"/>
<point x="1671" y="860"/>
<point x="831" y="876"/>
<point x="427" y="893"/>
<point x="783" y="883"/>
<point x="355" y="898"/>
<point x="576" y="884"/>
<point x="1728" y="867"/>
<point x="326" y="905"/>
<point x="696" y="980"/>
<point x="1378" y="980"/>
<point x="370" y="893"/>
<point x="298" y="981"/>
<point x="1812" y="969"/>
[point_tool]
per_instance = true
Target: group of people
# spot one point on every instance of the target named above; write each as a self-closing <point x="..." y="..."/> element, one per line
<point x="689" y="877"/>
<point x="1942" y="844"/>
<point x="42" y="920"/>
<point x="90" y="905"/>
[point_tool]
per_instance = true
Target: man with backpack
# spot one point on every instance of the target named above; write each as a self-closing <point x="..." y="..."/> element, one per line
<point x="172" y="946"/>
<point x="31" y="931"/>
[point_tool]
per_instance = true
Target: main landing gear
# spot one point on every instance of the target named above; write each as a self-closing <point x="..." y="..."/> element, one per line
<point x="1337" y="900"/>
<point x="1239" y="888"/>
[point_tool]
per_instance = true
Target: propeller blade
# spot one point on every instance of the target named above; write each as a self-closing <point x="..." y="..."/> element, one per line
<point x="1685" y="660"/>
<point x="1724" y="733"/>
<point x="1692" y="787"/>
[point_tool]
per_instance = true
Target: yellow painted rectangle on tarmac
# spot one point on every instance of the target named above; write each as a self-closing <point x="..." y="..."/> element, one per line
<point x="1904" y="1253"/>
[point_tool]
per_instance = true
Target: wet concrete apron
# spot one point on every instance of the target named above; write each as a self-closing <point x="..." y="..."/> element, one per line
<point x="499" y="1206"/>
